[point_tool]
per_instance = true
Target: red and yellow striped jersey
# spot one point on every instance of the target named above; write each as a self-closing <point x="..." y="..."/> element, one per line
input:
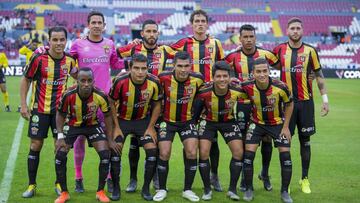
<point x="296" y="65"/>
<point x="49" y="78"/>
<point x="134" y="100"/>
<point x="218" y="108"/>
<point x="82" y="112"/>
<point x="203" y="54"/>
<point x="179" y="96"/>
<point x="156" y="57"/>
<point x="267" y="105"/>
<point x="243" y="64"/>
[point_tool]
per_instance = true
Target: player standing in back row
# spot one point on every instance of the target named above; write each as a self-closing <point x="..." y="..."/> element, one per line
<point x="298" y="60"/>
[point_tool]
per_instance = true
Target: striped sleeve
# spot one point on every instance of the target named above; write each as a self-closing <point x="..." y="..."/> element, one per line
<point x="125" y="51"/>
<point x="220" y="51"/>
<point x="32" y="67"/>
<point x="315" y="60"/>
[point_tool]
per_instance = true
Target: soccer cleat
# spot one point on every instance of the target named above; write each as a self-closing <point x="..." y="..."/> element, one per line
<point x="131" y="187"/>
<point x="305" y="185"/>
<point x="63" y="197"/>
<point x="101" y="196"/>
<point x="7" y="108"/>
<point x="116" y="194"/>
<point x="145" y="194"/>
<point x="190" y="195"/>
<point x="110" y="185"/>
<point x="156" y="181"/>
<point x="160" y="195"/>
<point x="266" y="182"/>
<point x="242" y="184"/>
<point x="30" y="191"/>
<point x="233" y="196"/>
<point x="248" y="195"/>
<point x="57" y="189"/>
<point x="285" y="197"/>
<point x="214" y="181"/>
<point x="79" y="186"/>
<point x="207" y="196"/>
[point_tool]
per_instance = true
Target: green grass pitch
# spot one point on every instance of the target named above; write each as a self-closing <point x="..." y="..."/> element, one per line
<point x="334" y="172"/>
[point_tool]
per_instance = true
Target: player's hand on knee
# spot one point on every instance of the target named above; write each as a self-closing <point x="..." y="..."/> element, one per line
<point x="60" y="144"/>
<point x="116" y="147"/>
<point x="152" y="132"/>
<point x="285" y="134"/>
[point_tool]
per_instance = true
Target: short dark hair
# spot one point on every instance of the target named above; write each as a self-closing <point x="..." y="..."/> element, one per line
<point x="247" y="27"/>
<point x="57" y="29"/>
<point x="260" y="60"/>
<point x="199" y="12"/>
<point x="95" y="13"/>
<point x="137" y="58"/>
<point x="86" y="69"/>
<point x="183" y="55"/>
<point x="294" y="20"/>
<point x="149" y="22"/>
<point x="220" y="65"/>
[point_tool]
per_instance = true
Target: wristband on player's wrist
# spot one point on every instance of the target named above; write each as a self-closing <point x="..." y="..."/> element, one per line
<point x="325" y="98"/>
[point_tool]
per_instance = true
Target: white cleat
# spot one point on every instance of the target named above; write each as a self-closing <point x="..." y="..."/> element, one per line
<point x="190" y="195"/>
<point x="160" y="195"/>
<point x="207" y="196"/>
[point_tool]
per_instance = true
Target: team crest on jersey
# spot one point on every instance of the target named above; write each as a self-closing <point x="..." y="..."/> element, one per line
<point x="34" y="130"/>
<point x="92" y="106"/>
<point x="106" y="49"/>
<point x="158" y="55"/>
<point x="65" y="69"/>
<point x="210" y="49"/>
<point x="270" y="100"/>
<point x="302" y="58"/>
<point x="229" y="103"/>
<point x="145" y="94"/>
<point x="189" y="90"/>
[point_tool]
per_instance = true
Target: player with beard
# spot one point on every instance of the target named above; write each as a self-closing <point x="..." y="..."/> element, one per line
<point x="298" y="60"/>
<point x="156" y="61"/>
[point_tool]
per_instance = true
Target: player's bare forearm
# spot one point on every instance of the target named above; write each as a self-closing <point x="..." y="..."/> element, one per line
<point x="60" y="121"/>
<point x="155" y="113"/>
<point x="109" y="125"/>
<point x="320" y="80"/>
<point x="113" y="113"/>
<point x="287" y="113"/>
<point x="24" y="88"/>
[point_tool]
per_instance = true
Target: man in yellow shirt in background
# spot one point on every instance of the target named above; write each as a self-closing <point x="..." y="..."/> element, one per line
<point x="3" y="64"/>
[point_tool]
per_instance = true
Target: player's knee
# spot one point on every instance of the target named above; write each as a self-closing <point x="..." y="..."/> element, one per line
<point x="36" y="144"/>
<point x="304" y="141"/>
<point x="237" y="153"/>
<point x="191" y="154"/>
<point x="249" y="158"/>
<point x="285" y="159"/>
<point x="151" y="154"/>
<point x="104" y="156"/>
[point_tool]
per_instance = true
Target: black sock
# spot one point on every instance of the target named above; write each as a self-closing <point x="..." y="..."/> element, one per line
<point x="305" y="152"/>
<point x="150" y="165"/>
<point x="134" y="155"/>
<point x="249" y="169"/>
<point x="33" y="165"/>
<point x="103" y="168"/>
<point x="214" y="157"/>
<point x="235" y="170"/>
<point x="163" y="170"/>
<point x="204" y="168"/>
<point x="190" y="171"/>
<point x="266" y="152"/>
<point x="60" y="167"/>
<point x="115" y="169"/>
<point x="286" y="170"/>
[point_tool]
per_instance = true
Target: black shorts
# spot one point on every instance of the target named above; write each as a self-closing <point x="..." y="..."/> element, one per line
<point x="185" y="130"/>
<point x="39" y="125"/>
<point x="137" y="128"/>
<point x="92" y="133"/>
<point x="243" y="112"/>
<point x="2" y="77"/>
<point x="304" y="118"/>
<point x="229" y="130"/>
<point x="256" y="132"/>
